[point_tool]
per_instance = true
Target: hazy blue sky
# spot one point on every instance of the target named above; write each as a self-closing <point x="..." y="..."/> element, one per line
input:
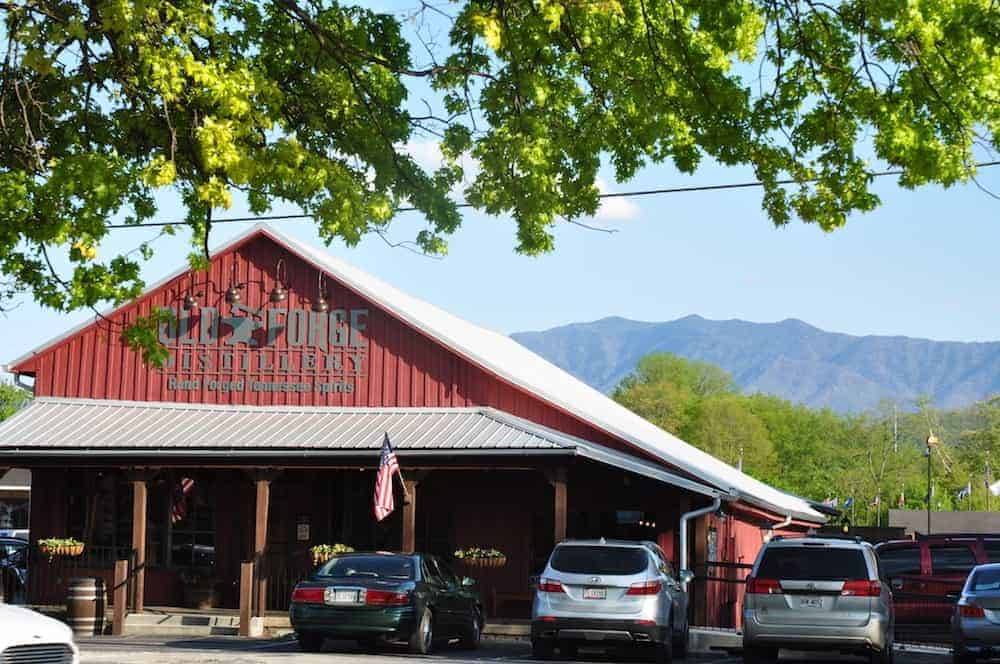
<point x="925" y="264"/>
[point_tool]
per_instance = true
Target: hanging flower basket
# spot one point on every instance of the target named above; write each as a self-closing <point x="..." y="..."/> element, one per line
<point x="481" y="557"/>
<point x="63" y="548"/>
<point x="321" y="553"/>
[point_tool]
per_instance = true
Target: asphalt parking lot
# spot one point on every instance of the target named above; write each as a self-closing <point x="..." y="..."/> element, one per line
<point x="231" y="650"/>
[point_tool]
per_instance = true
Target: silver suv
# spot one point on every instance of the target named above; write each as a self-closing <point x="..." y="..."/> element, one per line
<point x="817" y="594"/>
<point x="609" y="594"/>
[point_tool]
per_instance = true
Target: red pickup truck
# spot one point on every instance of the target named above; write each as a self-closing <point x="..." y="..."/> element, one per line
<point x="927" y="574"/>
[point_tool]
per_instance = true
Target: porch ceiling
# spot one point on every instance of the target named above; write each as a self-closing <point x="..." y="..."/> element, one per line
<point x="51" y="426"/>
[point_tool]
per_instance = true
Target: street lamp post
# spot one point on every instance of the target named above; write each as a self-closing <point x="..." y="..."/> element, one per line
<point x="931" y="441"/>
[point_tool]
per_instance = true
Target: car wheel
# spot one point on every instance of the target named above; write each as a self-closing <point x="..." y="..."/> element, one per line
<point x="681" y="643"/>
<point x="310" y="642"/>
<point x="422" y="639"/>
<point x="883" y="656"/>
<point x="542" y="648"/>
<point x="470" y="639"/>
<point x="663" y="653"/>
<point x="962" y="657"/>
<point x="758" y="655"/>
<point x="368" y="644"/>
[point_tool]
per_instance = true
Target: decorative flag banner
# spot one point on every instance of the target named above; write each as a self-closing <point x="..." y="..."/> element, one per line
<point x="849" y="502"/>
<point x="995" y="488"/>
<point x="831" y="502"/>
<point x="178" y="508"/>
<point x="388" y="466"/>
<point x="965" y="491"/>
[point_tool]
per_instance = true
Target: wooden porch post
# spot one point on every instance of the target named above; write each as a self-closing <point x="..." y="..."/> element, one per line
<point x="410" y="516"/>
<point x="246" y="597"/>
<point x="120" y="597"/>
<point x="139" y="515"/>
<point x="263" y="498"/>
<point x="557" y="479"/>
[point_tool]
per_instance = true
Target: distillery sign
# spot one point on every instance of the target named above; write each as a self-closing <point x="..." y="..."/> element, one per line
<point x="265" y="350"/>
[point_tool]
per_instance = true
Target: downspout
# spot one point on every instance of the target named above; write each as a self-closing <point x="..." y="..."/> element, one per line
<point x="714" y="507"/>
<point x="784" y="524"/>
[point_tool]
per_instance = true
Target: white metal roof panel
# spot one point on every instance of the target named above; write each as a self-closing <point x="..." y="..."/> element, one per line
<point x="49" y="422"/>
<point x="112" y="427"/>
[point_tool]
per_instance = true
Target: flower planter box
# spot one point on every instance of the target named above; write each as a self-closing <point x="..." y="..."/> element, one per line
<point x="484" y="562"/>
<point x="61" y="550"/>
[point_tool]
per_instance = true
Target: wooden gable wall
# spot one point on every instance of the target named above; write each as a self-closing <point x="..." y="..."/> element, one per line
<point x="398" y="365"/>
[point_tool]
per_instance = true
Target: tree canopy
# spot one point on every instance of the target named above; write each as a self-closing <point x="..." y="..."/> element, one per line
<point x="11" y="398"/>
<point x="105" y="105"/>
<point x="875" y="458"/>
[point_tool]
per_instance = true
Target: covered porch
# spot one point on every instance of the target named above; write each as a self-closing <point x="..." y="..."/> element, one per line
<point x="276" y="482"/>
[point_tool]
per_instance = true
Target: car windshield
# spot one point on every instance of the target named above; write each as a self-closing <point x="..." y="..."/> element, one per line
<point x="985" y="579"/>
<point x="599" y="559"/>
<point x="372" y="567"/>
<point x="812" y="563"/>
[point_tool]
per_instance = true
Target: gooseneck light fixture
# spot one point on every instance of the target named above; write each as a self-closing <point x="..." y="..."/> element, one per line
<point x="191" y="300"/>
<point x="279" y="293"/>
<point x="233" y="292"/>
<point x="320" y="305"/>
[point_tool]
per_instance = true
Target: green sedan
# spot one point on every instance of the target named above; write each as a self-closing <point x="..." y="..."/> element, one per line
<point x="372" y="597"/>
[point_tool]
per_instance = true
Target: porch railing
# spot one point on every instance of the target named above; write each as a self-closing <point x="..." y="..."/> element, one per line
<point x="283" y="571"/>
<point x="722" y="586"/>
<point x="48" y="576"/>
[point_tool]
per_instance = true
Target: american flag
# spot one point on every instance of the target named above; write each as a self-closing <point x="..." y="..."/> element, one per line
<point x="388" y="466"/>
<point x="178" y="509"/>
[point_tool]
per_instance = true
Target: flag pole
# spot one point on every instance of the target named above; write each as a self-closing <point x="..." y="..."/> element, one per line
<point x="399" y="471"/>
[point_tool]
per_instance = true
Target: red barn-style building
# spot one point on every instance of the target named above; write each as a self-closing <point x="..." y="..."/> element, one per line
<point x="286" y="368"/>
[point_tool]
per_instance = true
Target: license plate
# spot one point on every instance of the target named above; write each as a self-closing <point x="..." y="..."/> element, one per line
<point x="595" y="593"/>
<point x="341" y="596"/>
<point x="811" y="603"/>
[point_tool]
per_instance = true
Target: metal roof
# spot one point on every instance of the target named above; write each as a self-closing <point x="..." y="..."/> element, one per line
<point x="52" y="426"/>
<point x="104" y="424"/>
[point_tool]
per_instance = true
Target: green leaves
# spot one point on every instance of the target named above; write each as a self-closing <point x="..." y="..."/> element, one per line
<point x="109" y="104"/>
<point x="143" y="336"/>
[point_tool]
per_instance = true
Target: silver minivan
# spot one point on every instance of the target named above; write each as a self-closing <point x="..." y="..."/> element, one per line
<point x="815" y="593"/>
<point x="609" y="593"/>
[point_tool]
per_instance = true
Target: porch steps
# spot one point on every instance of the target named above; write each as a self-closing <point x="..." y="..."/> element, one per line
<point x="170" y="622"/>
<point x="182" y="624"/>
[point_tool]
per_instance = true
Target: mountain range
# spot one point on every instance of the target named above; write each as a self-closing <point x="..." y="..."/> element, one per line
<point x="790" y="359"/>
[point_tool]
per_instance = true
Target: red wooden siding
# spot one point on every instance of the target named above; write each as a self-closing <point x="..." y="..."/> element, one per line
<point x="402" y="367"/>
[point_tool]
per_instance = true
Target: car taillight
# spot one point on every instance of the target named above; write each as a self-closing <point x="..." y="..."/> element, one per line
<point x="763" y="586"/>
<point x="644" y="588"/>
<point x="307" y="596"/>
<point x="386" y="598"/>
<point x="550" y="586"/>
<point x="971" y="611"/>
<point x="861" y="589"/>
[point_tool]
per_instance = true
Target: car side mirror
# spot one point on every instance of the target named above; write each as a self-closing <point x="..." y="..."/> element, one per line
<point x="468" y="582"/>
<point x="687" y="576"/>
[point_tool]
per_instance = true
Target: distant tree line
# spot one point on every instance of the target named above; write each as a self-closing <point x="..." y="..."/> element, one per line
<point x="867" y="463"/>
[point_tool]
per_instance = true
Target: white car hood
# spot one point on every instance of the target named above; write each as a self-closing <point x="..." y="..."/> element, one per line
<point x="20" y="626"/>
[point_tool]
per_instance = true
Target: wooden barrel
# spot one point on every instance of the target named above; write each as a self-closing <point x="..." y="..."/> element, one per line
<point x="85" y="602"/>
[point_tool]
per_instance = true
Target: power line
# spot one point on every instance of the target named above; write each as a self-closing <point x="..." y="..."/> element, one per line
<point x="620" y="194"/>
